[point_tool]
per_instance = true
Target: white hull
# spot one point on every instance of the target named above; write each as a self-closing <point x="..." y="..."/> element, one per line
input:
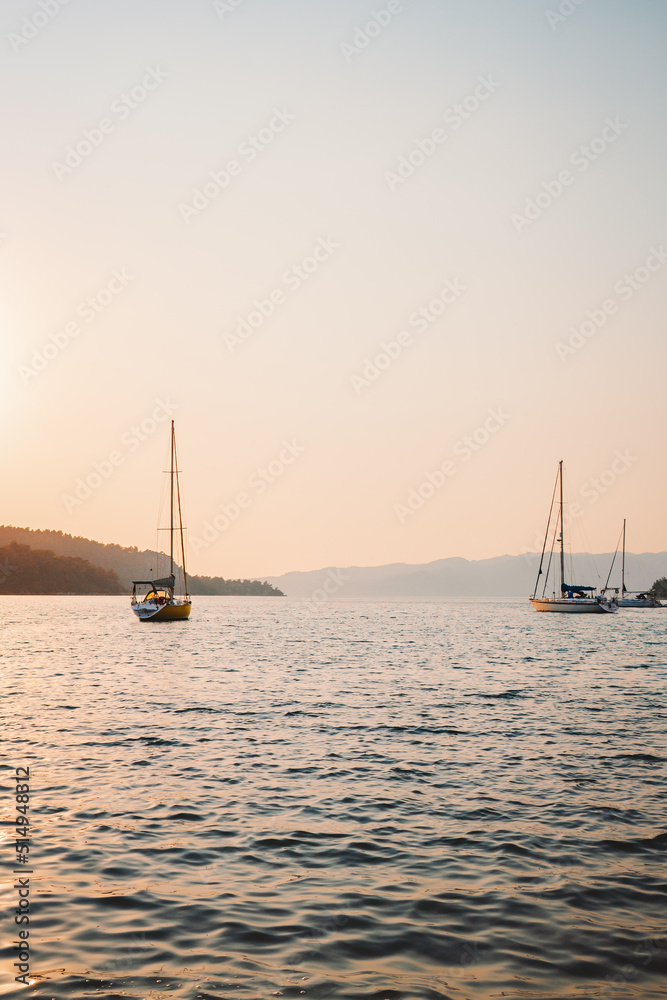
<point x="641" y="598"/>
<point x="572" y="605"/>
<point x="648" y="602"/>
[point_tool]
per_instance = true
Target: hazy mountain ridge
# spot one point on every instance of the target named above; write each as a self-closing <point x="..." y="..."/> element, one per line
<point x="127" y="564"/>
<point x="502" y="576"/>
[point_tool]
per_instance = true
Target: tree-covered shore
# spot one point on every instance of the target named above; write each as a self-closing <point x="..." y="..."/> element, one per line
<point x="97" y="568"/>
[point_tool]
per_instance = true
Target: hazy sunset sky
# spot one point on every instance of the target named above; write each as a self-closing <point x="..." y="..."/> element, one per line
<point x="371" y="158"/>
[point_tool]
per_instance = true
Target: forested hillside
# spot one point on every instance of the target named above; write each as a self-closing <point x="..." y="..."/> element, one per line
<point x="127" y="563"/>
<point x="36" y="571"/>
<point x="218" y="586"/>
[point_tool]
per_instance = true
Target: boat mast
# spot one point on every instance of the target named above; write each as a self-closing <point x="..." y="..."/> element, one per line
<point x="562" y="549"/>
<point x="180" y="522"/>
<point x="171" y="507"/>
<point x="623" y="564"/>
<point x="544" y="546"/>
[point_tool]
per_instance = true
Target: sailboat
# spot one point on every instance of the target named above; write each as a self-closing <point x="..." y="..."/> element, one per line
<point x="634" y="598"/>
<point x="158" y="603"/>
<point x="574" y="598"/>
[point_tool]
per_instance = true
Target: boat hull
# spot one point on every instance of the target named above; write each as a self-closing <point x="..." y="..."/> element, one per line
<point x="647" y="602"/>
<point x="572" y="606"/>
<point x="146" y="612"/>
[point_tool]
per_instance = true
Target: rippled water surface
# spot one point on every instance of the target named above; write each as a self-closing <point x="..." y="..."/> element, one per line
<point x="384" y="800"/>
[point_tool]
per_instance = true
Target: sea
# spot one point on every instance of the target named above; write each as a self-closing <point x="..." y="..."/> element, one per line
<point x="361" y="800"/>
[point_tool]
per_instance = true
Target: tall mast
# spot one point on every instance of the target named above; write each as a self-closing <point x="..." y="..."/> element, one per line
<point x="544" y="546"/>
<point x="171" y="507"/>
<point x="623" y="564"/>
<point x="562" y="549"/>
<point x="180" y="521"/>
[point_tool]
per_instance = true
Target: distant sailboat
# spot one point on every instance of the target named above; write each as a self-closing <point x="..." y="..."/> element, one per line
<point x="573" y="599"/>
<point x="158" y="604"/>
<point x="634" y="598"/>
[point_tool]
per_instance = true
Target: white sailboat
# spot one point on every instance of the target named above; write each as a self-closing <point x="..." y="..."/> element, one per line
<point x="157" y="603"/>
<point x="574" y="598"/>
<point x="632" y="598"/>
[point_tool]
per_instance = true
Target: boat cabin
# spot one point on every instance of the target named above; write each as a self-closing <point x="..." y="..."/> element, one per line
<point x="159" y="591"/>
<point x="572" y="590"/>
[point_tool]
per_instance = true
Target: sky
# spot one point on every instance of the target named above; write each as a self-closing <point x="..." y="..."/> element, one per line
<point x="384" y="264"/>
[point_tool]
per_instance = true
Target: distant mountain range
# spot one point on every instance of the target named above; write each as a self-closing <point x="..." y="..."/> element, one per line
<point x="504" y="576"/>
<point x="124" y="566"/>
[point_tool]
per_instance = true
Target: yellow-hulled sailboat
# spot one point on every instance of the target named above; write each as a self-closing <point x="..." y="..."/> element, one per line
<point x="158" y="603"/>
